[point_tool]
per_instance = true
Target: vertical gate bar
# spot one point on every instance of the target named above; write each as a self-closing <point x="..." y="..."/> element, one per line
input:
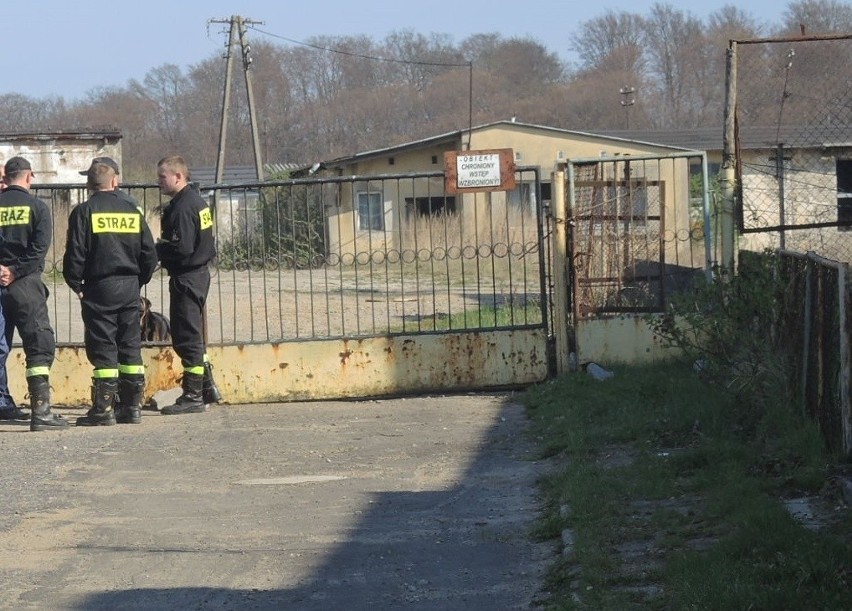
<point x="338" y="196"/>
<point x="234" y="262"/>
<point x="402" y="243"/>
<point x="317" y="192"/>
<point x="543" y="260"/>
<point x="313" y="258"/>
<point x="356" y="213"/>
<point x="263" y="257"/>
<point x="431" y="250"/>
<point x="463" y="201"/>
<point x="218" y="242"/>
<point x="524" y="194"/>
<point x="478" y="263"/>
<point x="278" y="192"/>
<point x="447" y="249"/>
<point x="294" y="266"/>
<point x="709" y="259"/>
<point x="246" y="237"/>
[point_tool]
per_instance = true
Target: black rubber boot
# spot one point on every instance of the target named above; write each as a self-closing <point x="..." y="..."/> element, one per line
<point x="130" y="391"/>
<point x="41" y="418"/>
<point x="104" y="392"/>
<point x="191" y="401"/>
<point x="210" y="392"/>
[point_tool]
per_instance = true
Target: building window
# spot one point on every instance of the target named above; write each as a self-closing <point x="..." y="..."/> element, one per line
<point x="844" y="194"/>
<point x="371" y="214"/>
<point x="429" y="206"/>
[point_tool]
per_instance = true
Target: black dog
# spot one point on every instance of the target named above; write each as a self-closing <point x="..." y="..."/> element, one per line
<point x="155" y="327"/>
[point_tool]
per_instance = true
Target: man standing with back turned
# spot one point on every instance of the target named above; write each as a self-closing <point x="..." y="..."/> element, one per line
<point x="185" y="249"/>
<point x="109" y="254"/>
<point x="26" y="229"/>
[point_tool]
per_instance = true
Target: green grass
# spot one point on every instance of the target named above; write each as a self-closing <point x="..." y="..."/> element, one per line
<point x="674" y="490"/>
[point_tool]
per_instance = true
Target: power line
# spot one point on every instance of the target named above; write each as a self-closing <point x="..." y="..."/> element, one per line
<point x="361" y="56"/>
<point x="468" y="65"/>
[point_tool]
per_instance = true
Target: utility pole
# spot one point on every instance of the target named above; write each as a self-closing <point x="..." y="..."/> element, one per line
<point x="237" y="34"/>
<point x="627" y="100"/>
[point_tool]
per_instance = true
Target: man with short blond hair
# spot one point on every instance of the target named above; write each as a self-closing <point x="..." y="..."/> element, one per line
<point x="109" y="255"/>
<point x="185" y="249"/>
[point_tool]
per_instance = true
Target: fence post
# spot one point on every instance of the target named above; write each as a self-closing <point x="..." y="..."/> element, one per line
<point x="728" y="174"/>
<point x="560" y="273"/>
<point x="844" y="382"/>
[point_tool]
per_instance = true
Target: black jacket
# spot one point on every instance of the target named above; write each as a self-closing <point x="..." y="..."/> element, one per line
<point x="186" y="241"/>
<point x="107" y="236"/>
<point x="25" y="231"/>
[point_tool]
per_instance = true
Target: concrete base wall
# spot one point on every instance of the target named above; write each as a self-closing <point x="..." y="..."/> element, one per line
<point x="327" y="369"/>
<point x="627" y="339"/>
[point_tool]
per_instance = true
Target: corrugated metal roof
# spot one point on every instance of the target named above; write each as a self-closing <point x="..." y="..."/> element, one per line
<point x="238" y="173"/>
<point x="751" y="137"/>
<point x="457" y="136"/>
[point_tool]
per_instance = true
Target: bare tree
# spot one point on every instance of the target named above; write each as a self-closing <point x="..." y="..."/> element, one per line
<point x="677" y="52"/>
<point x="817" y="17"/>
<point x="19" y="112"/>
<point x="166" y="87"/>
<point x="611" y="42"/>
<point x="121" y="108"/>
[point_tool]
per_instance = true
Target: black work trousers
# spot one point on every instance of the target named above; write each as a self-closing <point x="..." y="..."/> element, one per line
<point x="110" y="309"/>
<point x="188" y="294"/>
<point x="25" y="308"/>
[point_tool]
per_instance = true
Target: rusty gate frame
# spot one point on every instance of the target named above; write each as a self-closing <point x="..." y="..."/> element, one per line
<point x="383" y="363"/>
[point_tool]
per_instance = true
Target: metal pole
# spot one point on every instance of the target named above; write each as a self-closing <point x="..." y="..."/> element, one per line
<point x="226" y="102"/>
<point x="727" y="174"/>
<point x="779" y="174"/>
<point x="560" y="273"/>
<point x="247" y="60"/>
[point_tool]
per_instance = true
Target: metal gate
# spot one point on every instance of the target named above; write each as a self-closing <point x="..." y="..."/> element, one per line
<point x="638" y="230"/>
<point x="350" y="287"/>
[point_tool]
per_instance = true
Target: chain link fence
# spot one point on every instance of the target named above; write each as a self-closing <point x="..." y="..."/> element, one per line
<point x="792" y="100"/>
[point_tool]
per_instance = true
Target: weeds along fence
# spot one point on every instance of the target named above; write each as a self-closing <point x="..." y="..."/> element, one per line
<point x="793" y="112"/>
<point x="814" y="329"/>
<point x="348" y="257"/>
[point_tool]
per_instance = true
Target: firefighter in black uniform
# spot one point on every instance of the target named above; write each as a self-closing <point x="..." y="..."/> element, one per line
<point x="26" y="230"/>
<point x="109" y="255"/>
<point x="185" y="249"/>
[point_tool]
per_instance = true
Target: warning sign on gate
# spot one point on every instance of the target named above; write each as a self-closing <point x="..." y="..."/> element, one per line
<point x="483" y="170"/>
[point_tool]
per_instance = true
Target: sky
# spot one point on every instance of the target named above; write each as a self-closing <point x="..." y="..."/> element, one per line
<point x="62" y="48"/>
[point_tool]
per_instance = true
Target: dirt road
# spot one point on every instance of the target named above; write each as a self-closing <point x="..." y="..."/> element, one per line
<point x="421" y="503"/>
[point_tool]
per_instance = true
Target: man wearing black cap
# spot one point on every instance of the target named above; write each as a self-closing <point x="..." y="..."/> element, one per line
<point x="9" y="410"/>
<point x="110" y="163"/>
<point x="25" y="235"/>
<point x="109" y="254"/>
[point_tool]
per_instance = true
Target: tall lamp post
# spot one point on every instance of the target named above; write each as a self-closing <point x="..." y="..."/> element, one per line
<point x="627" y="100"/>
